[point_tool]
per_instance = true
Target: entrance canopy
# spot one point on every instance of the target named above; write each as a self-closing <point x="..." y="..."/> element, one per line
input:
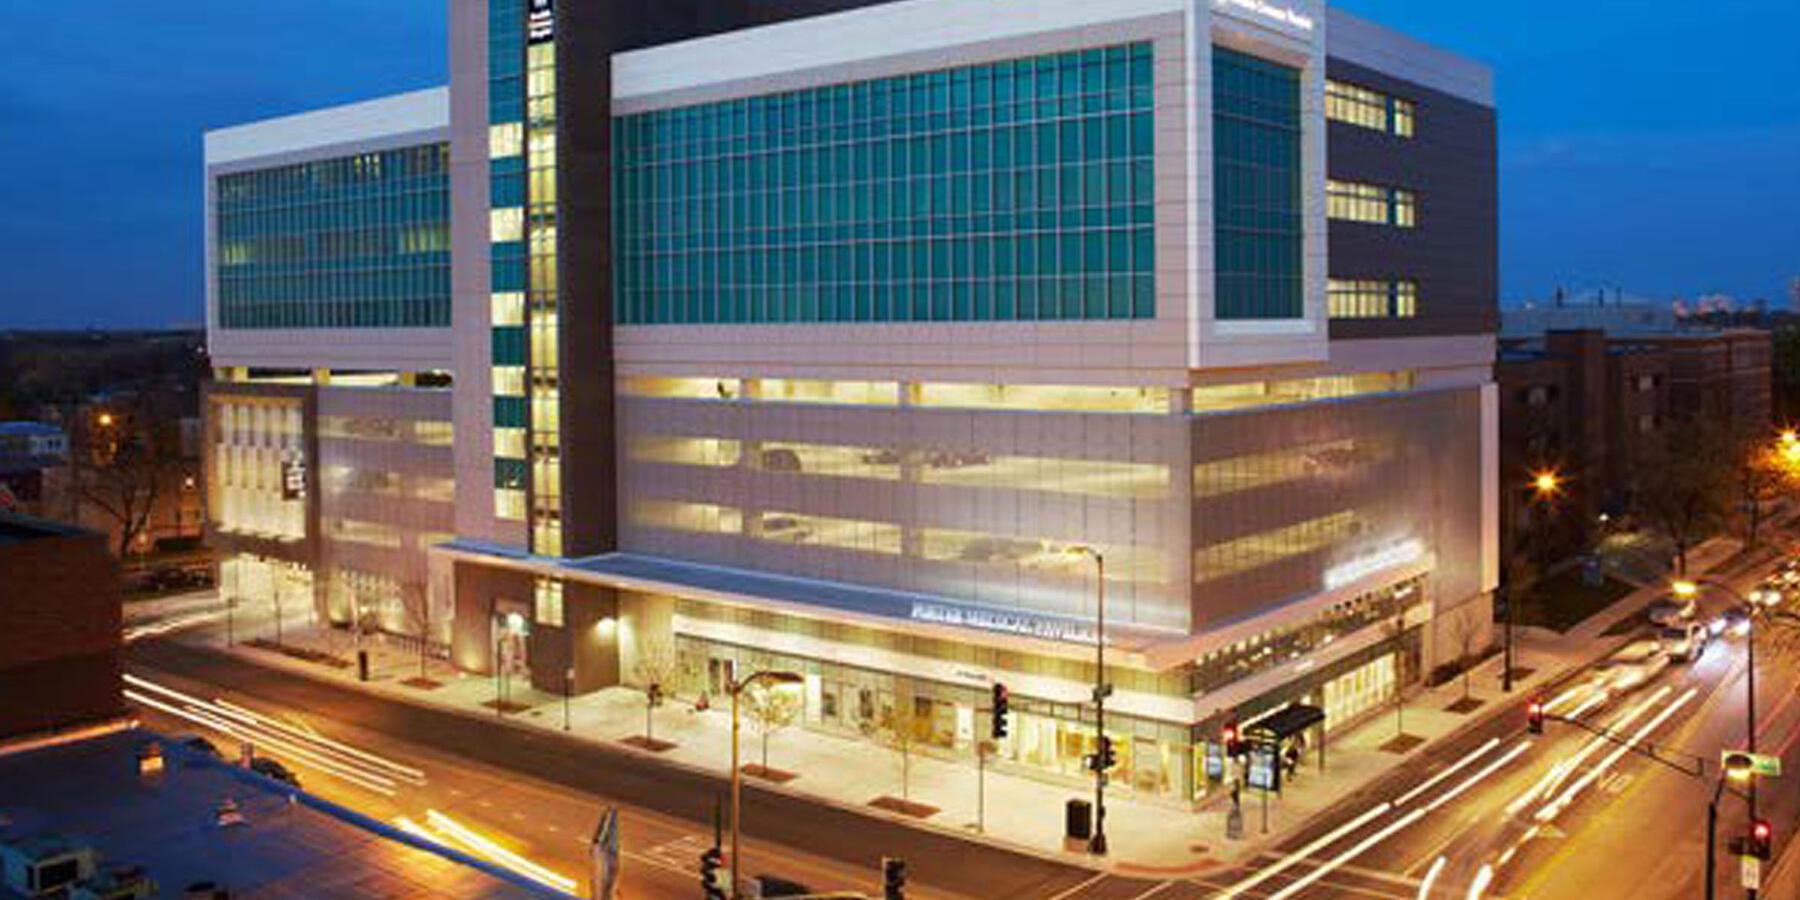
<point x="1279" y="726"/>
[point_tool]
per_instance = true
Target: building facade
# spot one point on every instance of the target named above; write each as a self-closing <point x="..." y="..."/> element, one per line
<point x="841" y="337"/>
<point x="60" y="655"/>
<point x="328" y="427"/>
<point x="1593" y="406"/>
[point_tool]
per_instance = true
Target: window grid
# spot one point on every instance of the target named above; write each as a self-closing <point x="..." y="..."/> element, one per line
<point x="352" y="242"/>
<point x="1016" y="190"/>
<point x="1356" y="105"/>
<point x="1256" y="164"/>
<point x="1374" y="298"/>
<point x="1352" y="201"/>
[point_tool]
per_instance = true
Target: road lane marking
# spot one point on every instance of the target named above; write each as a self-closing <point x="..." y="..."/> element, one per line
<point x="1458" y="766"/>
<point x="1368" y="843"/>
<point x="1431" y="876"/>
<point x="1081" y="887"/>
<point x="1555" y="807"/>
<point x="298" y="754"/>
<point x="1156" y="890"/>
<point x="1479" y="886"/>
<point x="1306" y="852"/>
<point x="1486" y="771"/>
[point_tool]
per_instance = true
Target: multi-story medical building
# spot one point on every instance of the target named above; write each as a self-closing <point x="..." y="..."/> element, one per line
<point x="832" y="336"/>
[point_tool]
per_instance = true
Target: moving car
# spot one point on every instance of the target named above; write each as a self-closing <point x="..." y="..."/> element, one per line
<point x="1684" y="643"/>
<point x="1672" y="611"/>
<point x="1632" y="666"/>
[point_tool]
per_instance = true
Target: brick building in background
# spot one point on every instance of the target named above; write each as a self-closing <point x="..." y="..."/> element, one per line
<point x="1588" y="403"/>
<point x="60" y="649"/>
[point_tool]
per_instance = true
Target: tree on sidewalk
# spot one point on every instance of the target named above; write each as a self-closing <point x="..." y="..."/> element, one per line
<point x="772" y="710"/>
<point x="655" y="670"/>
<point x="1394" y="629"/>
<point x="1463" y="631"/>
<point x="901" y="736"/>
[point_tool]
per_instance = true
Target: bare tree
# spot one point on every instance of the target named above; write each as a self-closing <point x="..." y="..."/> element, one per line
<point x="1394" y="629"/>
<point x="655" y="668"/>
<point x="123" y="461"/>
<point x="1463" y="631"/>
<point x="1683" y="481"/>
<point x="771" y="710"/>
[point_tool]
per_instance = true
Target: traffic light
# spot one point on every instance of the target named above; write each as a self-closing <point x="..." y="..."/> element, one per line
<point x="1534" y="716"/>
<point x="710" y="861"/>
<point x="1761" y="839"/>
<point x="1002" y="704"/>
<point x="1103" y="758"/>
<point x="1234" y="746"/>
<point x="893" y="878"/>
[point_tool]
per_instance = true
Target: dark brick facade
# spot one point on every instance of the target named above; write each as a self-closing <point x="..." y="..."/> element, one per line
<point x="60" y="647"/>
<point x="1454" y="252"/>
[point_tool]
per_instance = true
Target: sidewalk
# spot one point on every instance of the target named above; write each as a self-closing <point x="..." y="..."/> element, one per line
<point x="1148" y="839"/>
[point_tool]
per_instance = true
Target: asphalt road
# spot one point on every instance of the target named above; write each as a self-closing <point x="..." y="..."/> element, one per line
<point x="542" y="795"/>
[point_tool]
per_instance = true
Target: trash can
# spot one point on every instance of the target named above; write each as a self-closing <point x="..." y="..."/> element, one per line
<point x="362" y="665"/>
<point x="1078" y="820"/>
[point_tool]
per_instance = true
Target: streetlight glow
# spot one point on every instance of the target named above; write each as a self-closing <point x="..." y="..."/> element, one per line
<point x="1546" y="483"/>
<point x="1685" y="589"/>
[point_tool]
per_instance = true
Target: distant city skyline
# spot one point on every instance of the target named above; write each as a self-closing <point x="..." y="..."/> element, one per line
<point x="1626" y="160"/>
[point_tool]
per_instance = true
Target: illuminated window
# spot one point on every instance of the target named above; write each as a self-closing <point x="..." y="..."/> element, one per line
<point x="435" y="490"/>
<point x="509" y="443"/>
<point x="547" y="603"/>
<point x="1037" y="556"/>
<point x="1370" y="299"/>
<point x="509" y="381"/>
<point x="825" y="531"/>
<point x="1374" y="110"/>
<point x="685" y="451"/>
<point x="1351" y="201"/>
<point x="506" y="139"/>
<point x="700" y="518"/>
<point x="1324" y="462"/>
<point x="1045" y="398"/>
<point x="509" y="504"/>
<point x="829" y="460"/>
<point x="506" y="224"/>
<point x="509" y="309"/>
<point x="859" y="393"/>
<point x="1243" y="395"/>
<point x="683" y="388"/>
<point x="434" y="433"/>
<point x="1270" y="547"/>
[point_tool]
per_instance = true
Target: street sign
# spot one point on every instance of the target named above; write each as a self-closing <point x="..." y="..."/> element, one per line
<point x="1760" y="764"/>
<point x="1752" y="872"/>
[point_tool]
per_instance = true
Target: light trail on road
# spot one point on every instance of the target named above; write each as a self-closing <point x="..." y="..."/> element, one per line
<point x="1306" y="852"/>
<point x="1554" y="808"/>
<point x="1452" y="769"/>
<point x="300" y="755"/>
<point x="1431" y="877"/>
<point x="1367" y="844"/>
<point x="1557" y="773"/>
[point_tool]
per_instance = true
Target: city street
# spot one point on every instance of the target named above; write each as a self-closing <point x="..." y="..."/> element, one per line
<point x="1495" y="812"/>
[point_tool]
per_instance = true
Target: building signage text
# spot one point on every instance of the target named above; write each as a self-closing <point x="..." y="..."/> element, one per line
<point x="1358" y="569"/>
<point x="1283" y="15"/>
<point x="1010" y="623"/>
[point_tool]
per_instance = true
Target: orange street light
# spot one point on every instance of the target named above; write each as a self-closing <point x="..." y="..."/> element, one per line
<point x="1546" y="483"/>
<point x="105" y="420"/>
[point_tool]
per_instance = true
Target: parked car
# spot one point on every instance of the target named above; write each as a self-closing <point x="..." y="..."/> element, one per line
<point x="199" y="745"/>
<point x="269" y="768"/>
<point x="1684" y="643"/>
<point x="1672" y="611"/>
<point x="781" y="459"/>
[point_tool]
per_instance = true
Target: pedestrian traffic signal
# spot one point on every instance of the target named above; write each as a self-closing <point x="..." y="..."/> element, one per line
<point x="1002" y="705"/>
<point x="1761" y="840"/>
<point x="893" y="878"/>
<point x="1534" y="716"/>
<point x="710" y="861"/>
<point x="1103" y="757"/>
<point x="1234" y="746"/>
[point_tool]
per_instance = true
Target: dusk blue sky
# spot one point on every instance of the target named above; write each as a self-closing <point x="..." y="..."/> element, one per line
<point x="1651" y="144"/>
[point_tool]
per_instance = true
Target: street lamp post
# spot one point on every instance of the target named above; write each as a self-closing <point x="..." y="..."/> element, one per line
<point x="1737" y="768"/>
<point x="737" y="688"/>
<point x="1753" y="604"/>
<point x="1097" y="844"/>
<point x="1546" y="484"/>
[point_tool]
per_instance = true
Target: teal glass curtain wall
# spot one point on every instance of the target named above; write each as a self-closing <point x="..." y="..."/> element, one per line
<point x="1018" y="190"/>
<point x="353" y="242"/>
<point x="1256" y="189"/>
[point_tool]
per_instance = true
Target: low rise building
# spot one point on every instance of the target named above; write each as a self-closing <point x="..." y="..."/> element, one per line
<point x="60" y="649"/>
